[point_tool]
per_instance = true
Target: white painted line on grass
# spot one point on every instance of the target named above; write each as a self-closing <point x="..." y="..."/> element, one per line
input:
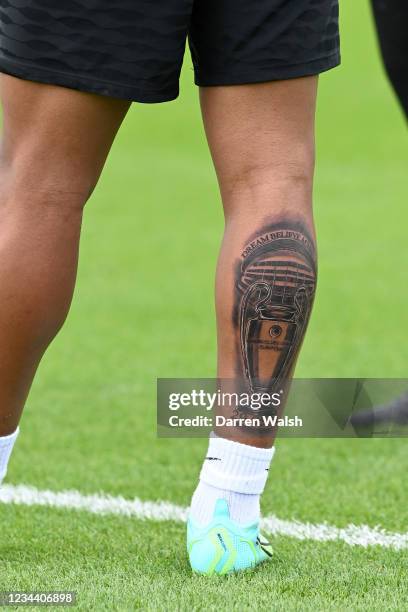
<point x="353" y="535"/>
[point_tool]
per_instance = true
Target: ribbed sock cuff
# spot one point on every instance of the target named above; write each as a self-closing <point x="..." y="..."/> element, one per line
<point x="236" y="467"/>
<point x="6" y="447"/>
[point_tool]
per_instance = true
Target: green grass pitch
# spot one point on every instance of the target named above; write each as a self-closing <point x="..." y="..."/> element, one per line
<point x="144" y="308"/>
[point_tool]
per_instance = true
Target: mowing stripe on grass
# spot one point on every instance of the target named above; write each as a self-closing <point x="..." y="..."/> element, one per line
<point x="353" y="535"/>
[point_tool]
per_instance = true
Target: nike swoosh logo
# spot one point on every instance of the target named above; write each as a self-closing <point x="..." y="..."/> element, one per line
<point x="265" y="546"/>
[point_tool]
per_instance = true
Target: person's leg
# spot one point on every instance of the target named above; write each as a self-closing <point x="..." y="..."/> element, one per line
<point x="54" y="145"/>
<point x="391" y="19"/>
<point x="262" y="142"/>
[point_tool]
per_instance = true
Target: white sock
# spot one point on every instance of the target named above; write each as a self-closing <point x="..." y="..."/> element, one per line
<point x="234" y="472"/>
<point x="6" y="446"/>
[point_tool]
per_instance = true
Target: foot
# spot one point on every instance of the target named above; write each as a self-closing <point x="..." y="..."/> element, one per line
<point x="394" y="413"/>
<point x="224" y="546"/>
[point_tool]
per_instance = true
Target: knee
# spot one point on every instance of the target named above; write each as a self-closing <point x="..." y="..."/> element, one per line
<point x="34" y="183"/>
<point x="275" y="181"/>
<point x="294" y="164"/>
<point x="295" y="170"/>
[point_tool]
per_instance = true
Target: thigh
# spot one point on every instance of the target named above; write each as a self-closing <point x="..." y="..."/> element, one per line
<point x="260" y="133"/>
<point x="62" y="134"/>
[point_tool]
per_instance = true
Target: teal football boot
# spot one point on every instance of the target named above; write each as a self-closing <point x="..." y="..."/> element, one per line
<point x="224" y="546"/>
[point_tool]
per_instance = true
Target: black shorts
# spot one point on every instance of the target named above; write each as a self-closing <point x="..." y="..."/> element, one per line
<point x="133" y="49"/>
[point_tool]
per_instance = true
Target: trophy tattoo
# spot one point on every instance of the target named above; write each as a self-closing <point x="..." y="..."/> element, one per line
<point x="275" y="288"/>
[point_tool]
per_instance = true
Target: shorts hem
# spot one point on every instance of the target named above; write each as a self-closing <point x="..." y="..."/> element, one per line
<point x="37" y="74"/>
<point x="278" y="73"/>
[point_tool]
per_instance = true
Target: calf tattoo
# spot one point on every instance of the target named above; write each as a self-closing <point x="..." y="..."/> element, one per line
<point x="275" y="286"/>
